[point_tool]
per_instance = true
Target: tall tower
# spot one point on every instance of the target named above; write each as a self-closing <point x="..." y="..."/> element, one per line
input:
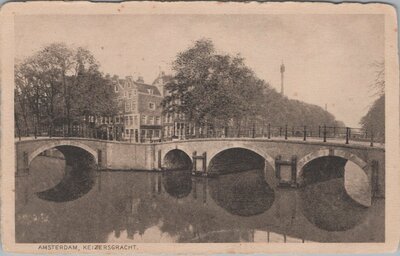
<point x="282" y="73"/>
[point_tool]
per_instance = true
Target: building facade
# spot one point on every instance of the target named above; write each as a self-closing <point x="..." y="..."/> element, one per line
<point x="139" y="110"/>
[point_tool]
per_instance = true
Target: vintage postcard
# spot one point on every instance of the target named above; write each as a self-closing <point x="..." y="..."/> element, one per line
<point x="199" y="127"/>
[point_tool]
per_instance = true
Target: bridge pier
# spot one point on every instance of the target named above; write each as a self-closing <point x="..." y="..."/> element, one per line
<point x="377" y="182"/>
<point x="22" y="164"/>
<point x="286" y="171"/>
<point x="199" y="166"/>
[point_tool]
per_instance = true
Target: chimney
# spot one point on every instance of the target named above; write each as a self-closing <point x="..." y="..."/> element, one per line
<point x="140" y="79"/>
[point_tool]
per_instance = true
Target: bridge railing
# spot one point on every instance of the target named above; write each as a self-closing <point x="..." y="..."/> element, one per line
<point x="89" y="133"/>
<point x="322" y="133"/>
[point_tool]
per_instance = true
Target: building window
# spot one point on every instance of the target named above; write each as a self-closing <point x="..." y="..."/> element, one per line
<point x="130" y="120"/>
<point x="136" y="121"/>
<point x="133" y="105"/>
<point x="150" y="120"/>
<point x="117" y="119"/>
<point x="152" y="106"/>
<point x="157" y="133"/>
<point x="143" y="121"/>
<point x="127" y="106"/>
<point x="158" y="120"/>
<point x="116" y="88"/>
<point x="130" y="95"/>
<point x="126" y="132"/>
<point x="126" y="120"/>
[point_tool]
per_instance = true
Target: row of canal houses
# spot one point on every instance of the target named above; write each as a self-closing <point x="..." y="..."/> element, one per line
<point x="140" y="115"/>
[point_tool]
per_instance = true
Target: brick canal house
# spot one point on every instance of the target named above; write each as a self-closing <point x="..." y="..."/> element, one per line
<point x="139" y="110"/>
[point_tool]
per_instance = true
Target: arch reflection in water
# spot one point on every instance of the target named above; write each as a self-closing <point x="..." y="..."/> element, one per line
<point x="325" y="202"/>
<point x="243" y="194"/>
<point x="177" y="184"/>
<point x="79" y="176"/>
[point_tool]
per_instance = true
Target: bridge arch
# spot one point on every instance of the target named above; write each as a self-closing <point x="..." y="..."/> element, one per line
<point x="177" y="159"/>
<point x="54" y="144"/>
<point x="213" y="153"/>
<point x="329" y="152"/>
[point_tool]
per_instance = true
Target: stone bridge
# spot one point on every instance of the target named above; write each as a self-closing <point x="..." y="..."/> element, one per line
<point x="205" y="156"/>
<point x="206" y="153"/>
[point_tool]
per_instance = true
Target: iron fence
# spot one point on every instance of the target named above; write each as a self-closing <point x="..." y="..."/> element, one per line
<point x="322" y="133"/>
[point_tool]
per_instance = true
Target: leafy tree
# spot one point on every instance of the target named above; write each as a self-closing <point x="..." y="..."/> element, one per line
<point x="212" y="88"/>
<point x="209" y="87"/>
<point x="59" y="84"/>
<point x="374" y="120"/>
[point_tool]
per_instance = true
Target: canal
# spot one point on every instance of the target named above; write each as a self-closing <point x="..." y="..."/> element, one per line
<point x="62" y="204"/>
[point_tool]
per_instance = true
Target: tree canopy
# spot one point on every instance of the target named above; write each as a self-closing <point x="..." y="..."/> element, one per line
<point x="211" y="87"/>
<point x="375" y="118"/>
<point x="59" y="84"/>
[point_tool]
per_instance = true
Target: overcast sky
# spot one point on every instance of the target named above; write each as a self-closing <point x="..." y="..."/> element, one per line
<point x="327" y="57"/>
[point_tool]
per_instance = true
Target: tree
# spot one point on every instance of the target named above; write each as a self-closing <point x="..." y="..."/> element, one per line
<point x="22" y="108"/>
<point x="219" y="89"/>
<point x="59" y="84"/>
<point x="29" y="91"/>
<point x="211" y="88"/>
<point x="374" y="120"/>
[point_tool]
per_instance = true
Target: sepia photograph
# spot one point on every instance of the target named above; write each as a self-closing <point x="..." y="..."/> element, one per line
<point x="150" y="123"/>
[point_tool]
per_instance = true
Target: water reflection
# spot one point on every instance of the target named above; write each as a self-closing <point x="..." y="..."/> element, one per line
<point x="177" y="184"/>
<point x="243" y="194"/>
<point x="79" y="175"/>
<point x="74" y="185"/>
<point x="175" y="207"/>
<point x="325" y="201"/>
<point x="327" y="205"/>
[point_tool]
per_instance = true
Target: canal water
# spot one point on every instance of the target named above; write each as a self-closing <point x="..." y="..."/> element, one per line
<point x="56" y="205"/>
